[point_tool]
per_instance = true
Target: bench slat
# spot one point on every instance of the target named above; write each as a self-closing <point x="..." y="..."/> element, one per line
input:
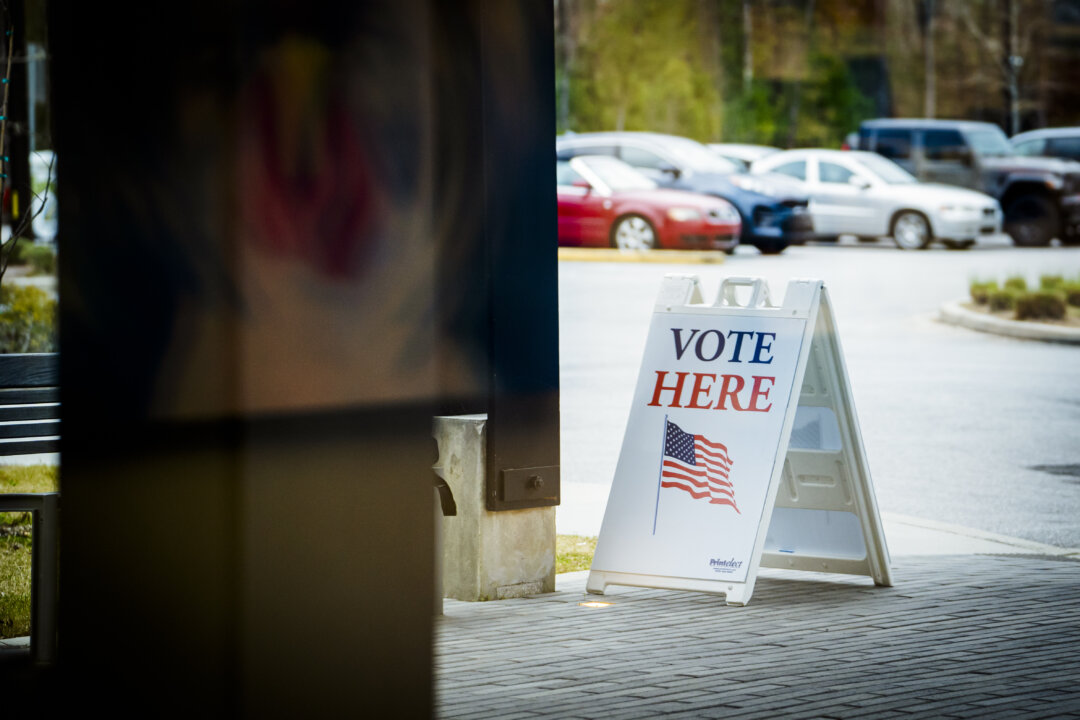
<point x="29" y="370"/>
<point x="29" y="412"/>
<point x="32" y="429"/>
<point x="29" y="447"/>
<point x="29" y="396"/>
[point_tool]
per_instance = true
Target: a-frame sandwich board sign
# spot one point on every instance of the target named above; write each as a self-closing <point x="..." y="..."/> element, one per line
<point x="742" y="448"/>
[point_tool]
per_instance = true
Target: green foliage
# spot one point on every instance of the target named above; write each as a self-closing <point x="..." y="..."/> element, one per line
<point x="1001" y="299"/>
<point x="675" y="66"/>
<point x="1016" y="282"/>
<point x="27" y="320"/>
<point x="20" y="251"/>
<point x="41" y="258"/>
<point x="636" y="71"/>
<point x="1071" y="290"/>
<point x="754" y="117"/>
<point x="1051" y="282"/>
<point x="573" y="552"/>
<point x="1040" y="305"/>
<point x="831" y="104"/>
<point x="980" y="291"/>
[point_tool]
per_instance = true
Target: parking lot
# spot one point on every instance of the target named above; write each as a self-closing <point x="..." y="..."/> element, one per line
<point x="960" y="427"/>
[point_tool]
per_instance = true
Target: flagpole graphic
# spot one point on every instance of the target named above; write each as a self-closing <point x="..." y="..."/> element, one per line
<point x="660" y="478"/>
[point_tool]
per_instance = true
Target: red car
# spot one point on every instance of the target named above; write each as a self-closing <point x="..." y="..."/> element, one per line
<point x="605" y="202"/>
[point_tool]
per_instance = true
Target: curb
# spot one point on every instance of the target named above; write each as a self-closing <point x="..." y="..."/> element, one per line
<point x="1023" y="545"/>
<point x="681" y="257"/>
<point x="954" y="313"/>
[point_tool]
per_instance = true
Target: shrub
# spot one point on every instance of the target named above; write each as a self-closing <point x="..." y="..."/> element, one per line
<point x="1016" y="282"/>
<point x="1001" y="299"/>
<point x="41" y="258"/>
<point x="27" y="320"/>
<point x="1040" y="305"/>
<point x="1051" y="282"/>
<point x="980" y="291"/>
<point x="18" y="254"/>
<point x="1071" y="291"/>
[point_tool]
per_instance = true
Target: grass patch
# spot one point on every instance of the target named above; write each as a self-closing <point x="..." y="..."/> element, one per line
<point x="16" y="546"/>
<point x="15" y="585"/>
<point x="26" y="479"/>
<point x="573" y="552"/>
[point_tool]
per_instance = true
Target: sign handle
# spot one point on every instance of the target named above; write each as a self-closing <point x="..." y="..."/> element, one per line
<point x="660" y="477"/>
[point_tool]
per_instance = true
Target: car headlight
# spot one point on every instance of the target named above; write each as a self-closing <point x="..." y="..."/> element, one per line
<point x="723" y="212"/>
<point x="683" y="214"/>
<point x="753" y="184"/>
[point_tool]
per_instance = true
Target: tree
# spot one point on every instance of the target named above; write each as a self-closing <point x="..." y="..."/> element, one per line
<point x="12" y="23"/>
<point x="1006" y="35"/>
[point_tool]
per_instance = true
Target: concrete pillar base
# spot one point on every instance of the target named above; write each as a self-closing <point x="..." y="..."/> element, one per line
<point x="488" y="555"/>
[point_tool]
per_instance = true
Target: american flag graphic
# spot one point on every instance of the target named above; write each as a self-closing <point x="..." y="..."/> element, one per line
<point x="697" y="465"/>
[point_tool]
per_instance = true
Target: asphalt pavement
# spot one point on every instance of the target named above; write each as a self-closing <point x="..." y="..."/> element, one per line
<point x="960" y="427"/>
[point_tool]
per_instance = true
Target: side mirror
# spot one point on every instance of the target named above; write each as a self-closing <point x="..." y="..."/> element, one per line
<point x="967" y="158"/>
<point x="859" y="182"/>
<point x="580" y="183"/>
<point x="671" y="170"/>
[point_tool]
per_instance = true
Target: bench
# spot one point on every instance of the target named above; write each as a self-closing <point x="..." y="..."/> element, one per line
<point x="30" y="424"/>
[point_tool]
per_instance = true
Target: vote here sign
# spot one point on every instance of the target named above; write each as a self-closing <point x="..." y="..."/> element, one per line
<point x="701" y="444"/>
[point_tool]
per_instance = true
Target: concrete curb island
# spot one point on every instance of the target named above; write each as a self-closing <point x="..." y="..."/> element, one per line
<point x="642" y="256"/>
<point x="954" y="313"/>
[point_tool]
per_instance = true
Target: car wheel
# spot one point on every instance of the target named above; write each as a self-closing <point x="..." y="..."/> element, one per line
<point x="770" y="247"/>
<point x="958" y="244"/>
<point x="1031" y="221"/>
<point x="633" y="232"/>
<point x="828" y="238"/>
<point x="911" y="230"/>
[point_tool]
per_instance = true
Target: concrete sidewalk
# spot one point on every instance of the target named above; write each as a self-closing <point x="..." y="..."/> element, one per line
<point x="977" y="625"/>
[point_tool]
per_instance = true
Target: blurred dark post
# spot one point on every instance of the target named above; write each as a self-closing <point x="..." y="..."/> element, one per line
<point x="265" y="298"/>
<point x="18" y="130"/>
<point x="520" y="224"/>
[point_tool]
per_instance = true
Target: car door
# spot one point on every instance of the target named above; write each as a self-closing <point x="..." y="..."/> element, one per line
<point x="896" y="144"/>
<point x="583" y="212"/>
<point x="946" y="158"/>
<point x="841" y="206"/>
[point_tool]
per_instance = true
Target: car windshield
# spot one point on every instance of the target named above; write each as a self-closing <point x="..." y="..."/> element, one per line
<point x="886" y="169"/>
<point x="990" y="142"/>
<point x="616" y="174"/>
<point x="692" y="155"/>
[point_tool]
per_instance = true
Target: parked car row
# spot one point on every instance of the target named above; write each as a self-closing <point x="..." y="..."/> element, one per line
<point x="917" y="181"/>
<point x="863" y="194"/>
<point x="773" y="210"/>
<point x="1040" y="196"/>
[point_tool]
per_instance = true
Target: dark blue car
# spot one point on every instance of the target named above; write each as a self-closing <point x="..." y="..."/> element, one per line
<point x="774" y="209"/>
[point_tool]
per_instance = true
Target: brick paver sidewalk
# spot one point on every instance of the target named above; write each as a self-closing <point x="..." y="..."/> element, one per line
<point x="958" y="636"/>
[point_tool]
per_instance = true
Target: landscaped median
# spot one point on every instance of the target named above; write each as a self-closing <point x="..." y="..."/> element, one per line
<point x="1050" y="313"/>
<point x="647" y="256"/>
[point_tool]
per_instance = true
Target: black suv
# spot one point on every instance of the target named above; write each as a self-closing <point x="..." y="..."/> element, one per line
<point x="1039" y="196"/>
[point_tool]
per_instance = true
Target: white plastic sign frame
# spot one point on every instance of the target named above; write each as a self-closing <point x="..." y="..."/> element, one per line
<point x="710" y="485"/>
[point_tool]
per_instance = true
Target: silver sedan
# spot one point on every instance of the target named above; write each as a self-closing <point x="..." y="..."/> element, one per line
<point x="863" y="194"/>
